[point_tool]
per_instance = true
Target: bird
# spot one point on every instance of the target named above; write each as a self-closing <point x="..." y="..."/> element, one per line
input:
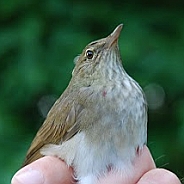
<point x="99" y="123"/>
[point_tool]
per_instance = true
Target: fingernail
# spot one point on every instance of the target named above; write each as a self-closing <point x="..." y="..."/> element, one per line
<point x="28" y="177"/>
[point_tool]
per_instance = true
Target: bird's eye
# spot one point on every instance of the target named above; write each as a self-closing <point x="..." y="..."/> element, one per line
<point x="89" y="54"/>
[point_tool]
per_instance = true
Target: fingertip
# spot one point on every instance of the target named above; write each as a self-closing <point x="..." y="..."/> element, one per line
<point x="144" y="161"/>
<point x="46" y="170"/>
<point x="28" y="176"/>
<point x="159" y="176"/>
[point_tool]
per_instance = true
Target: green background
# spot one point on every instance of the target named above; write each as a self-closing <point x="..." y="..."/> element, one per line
<point x="38" y="41"/>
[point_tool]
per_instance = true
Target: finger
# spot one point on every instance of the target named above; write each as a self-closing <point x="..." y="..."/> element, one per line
<point x="142" y="164"/>
<point x="157" y="176"/>
<point x="47" y="170"/>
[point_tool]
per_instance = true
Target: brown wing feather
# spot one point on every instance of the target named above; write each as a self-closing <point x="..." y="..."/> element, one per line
<point x="60" y="125"/>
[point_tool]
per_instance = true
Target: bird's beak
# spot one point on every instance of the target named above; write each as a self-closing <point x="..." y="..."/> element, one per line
<point x="113" y="37"/>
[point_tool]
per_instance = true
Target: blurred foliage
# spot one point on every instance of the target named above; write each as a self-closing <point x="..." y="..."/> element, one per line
<point x="38" y="41"/>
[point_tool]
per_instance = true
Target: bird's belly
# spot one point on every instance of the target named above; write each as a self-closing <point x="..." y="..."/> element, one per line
<point x="98" y="157"/>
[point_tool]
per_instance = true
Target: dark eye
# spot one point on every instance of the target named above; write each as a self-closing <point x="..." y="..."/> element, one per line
<point x="89" y="54"/>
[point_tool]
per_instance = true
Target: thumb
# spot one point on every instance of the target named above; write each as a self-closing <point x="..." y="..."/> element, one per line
<point x="46" y="170"/>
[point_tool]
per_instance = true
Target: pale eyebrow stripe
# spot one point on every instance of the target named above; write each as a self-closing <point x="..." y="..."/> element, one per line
<point x="92" y="43"/>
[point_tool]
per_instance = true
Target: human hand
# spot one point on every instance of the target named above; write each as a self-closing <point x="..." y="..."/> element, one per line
<point x="51" y="170"/>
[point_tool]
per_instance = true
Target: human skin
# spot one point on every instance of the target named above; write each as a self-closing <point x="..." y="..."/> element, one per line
<point x="52" y="170"/>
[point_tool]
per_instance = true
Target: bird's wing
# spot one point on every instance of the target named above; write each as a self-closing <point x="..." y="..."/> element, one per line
<point x="60" y="125"/>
